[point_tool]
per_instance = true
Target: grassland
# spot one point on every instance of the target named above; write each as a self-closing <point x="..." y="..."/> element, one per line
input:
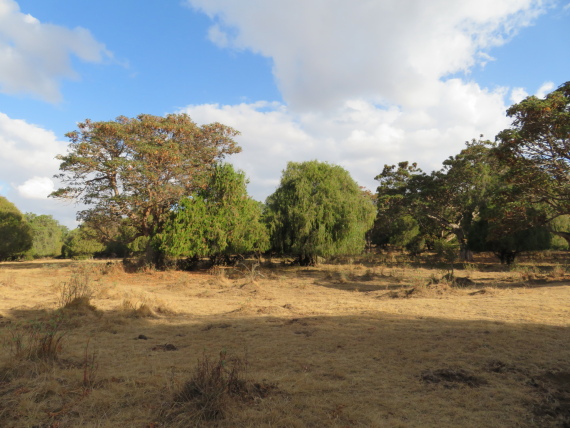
<point x="377" y="342"/>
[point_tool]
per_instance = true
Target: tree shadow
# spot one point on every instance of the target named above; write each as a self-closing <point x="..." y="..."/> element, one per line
<point x="416" y="371"/>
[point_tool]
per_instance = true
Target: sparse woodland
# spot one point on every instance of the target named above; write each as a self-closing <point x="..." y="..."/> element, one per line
<point x="441" y="300"/>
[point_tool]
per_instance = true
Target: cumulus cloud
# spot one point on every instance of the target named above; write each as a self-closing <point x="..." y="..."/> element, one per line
<point x="545" y="89"/>
<point x="27" y="161"/>
<point x="360" y="136"/>
<point x="365" y="83"/>
<point x="27" y="149"/>
<point x="517" y="95"/>
<point x="328" y="51"/>
<point x="35" y="56"/>
<point x="36" y="188"/>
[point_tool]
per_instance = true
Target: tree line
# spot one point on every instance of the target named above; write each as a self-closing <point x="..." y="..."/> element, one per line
<point x="159" y="189"/>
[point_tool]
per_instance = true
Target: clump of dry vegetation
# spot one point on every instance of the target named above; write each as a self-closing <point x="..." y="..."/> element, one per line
<point x="378" y="341"/>
<point x="215" y="386"/>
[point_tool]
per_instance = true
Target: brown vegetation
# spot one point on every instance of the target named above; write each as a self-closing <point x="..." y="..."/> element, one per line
<point x="378" y="342"/>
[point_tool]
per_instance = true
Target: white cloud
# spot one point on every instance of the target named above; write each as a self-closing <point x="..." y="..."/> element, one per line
<point x="517" y="95"/>
<point x="36" y="188"/>
<point x="35" y="56"/>
<point x="365" y="83"/>
<point x="27" y="150"/>
<point x="27" y="160"/>
<point x="545" y="89"/>
<point x="360" y="136"/>
<point x="328" y="51"/>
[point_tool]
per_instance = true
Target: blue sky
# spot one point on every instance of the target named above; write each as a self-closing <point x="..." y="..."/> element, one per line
<point x="360" y="84"/>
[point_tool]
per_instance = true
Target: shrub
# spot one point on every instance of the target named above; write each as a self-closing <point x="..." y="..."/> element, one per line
<point x="40" y="340"/>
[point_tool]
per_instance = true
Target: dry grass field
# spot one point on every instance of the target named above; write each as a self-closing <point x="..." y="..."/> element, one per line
<point x="377" y="342"/>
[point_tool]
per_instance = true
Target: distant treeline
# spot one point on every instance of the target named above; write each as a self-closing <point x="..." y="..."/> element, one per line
<point x="158" y="189"/>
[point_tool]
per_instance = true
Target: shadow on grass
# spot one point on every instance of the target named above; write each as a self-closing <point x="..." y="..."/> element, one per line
<point x="367" y="369"/>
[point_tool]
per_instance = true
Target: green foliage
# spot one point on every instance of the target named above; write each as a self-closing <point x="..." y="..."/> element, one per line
<point x="537" y="151"/>
<point x="48" y="236"/>
<point x="15" y="233"/>
<point x="318" y="210"/>
<point x="82" y="243"/>
<point x="506" y="245"/>
<point x="559" y="227"/>
<point x="133" y="171"/>
<point x="218" y="221"/>
<point x="446" y="251"/>
<point x="414" y="206"/>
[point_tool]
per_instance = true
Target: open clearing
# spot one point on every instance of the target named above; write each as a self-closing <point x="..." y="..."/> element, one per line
<point x="365" y="343"/>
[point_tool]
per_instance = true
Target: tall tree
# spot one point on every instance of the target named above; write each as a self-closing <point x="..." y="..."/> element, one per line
<point x="444" y="203"/>
<point x="318" y="210"/>
<point x="15" y="233"/>
<point x="536" y="148"/>
<point x="137" y="169"/>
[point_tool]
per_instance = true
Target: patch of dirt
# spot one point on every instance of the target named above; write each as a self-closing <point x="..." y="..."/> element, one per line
<point x="452" y="378"/>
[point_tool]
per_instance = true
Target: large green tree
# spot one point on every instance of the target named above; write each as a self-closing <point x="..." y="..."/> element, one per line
<point x="82" y="243"/>
<point x="536" y="149"/>
<point x="318" y="210"/>
<point x="135" y="170"/>
<point x="439" y="205"/>
<point x="218" y="221"/>
<point x="48" y="235"/>
<point x="15" y="233"/>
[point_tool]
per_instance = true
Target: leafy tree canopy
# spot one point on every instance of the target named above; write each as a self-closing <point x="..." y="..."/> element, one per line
<point x="536" y="149"/>
<point x="218" y="221"/>
<point x="15" y="233"/>
<point x="48" y="235"/>
<point x="137" y="169"/>
<point x="443" y="203"/>
<point x="318" y="210"/>
<point x="82" y="243"/>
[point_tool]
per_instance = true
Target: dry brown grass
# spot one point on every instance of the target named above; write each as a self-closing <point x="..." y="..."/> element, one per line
<point x="377" y="342"/>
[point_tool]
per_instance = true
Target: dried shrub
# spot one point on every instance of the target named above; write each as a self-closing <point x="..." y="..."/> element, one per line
<point x="140" y="310"/>
<point x="211" y="391"/>
<point x="40" y="340"/>
<point x="76" y="292"/>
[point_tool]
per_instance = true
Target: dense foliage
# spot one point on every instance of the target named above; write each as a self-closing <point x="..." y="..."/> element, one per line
<point x="15" y="233"/>
<point x="48" y="236"/>
<point x="219" y="221"/>
<point x="318" y="210"/>
<point x="443" y="204"/>
<point x="157" y="186"/>
<point x="136" y="170"/>
<point x="536" y="150"/>
<point x="82" y="243"/>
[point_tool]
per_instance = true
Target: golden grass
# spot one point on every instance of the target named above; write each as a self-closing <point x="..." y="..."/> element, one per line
<point x="364" y="343"/>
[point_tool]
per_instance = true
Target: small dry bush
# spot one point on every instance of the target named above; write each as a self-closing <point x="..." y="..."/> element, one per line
<point x="558" y="272"/>
<point x="77" y="289"/>
<point x="250" y="271"/>
<point x="525" y="273"/>
<point x="137" y="310"/>
<point x="210" y="392"/>
<point x="38" y="340"/>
